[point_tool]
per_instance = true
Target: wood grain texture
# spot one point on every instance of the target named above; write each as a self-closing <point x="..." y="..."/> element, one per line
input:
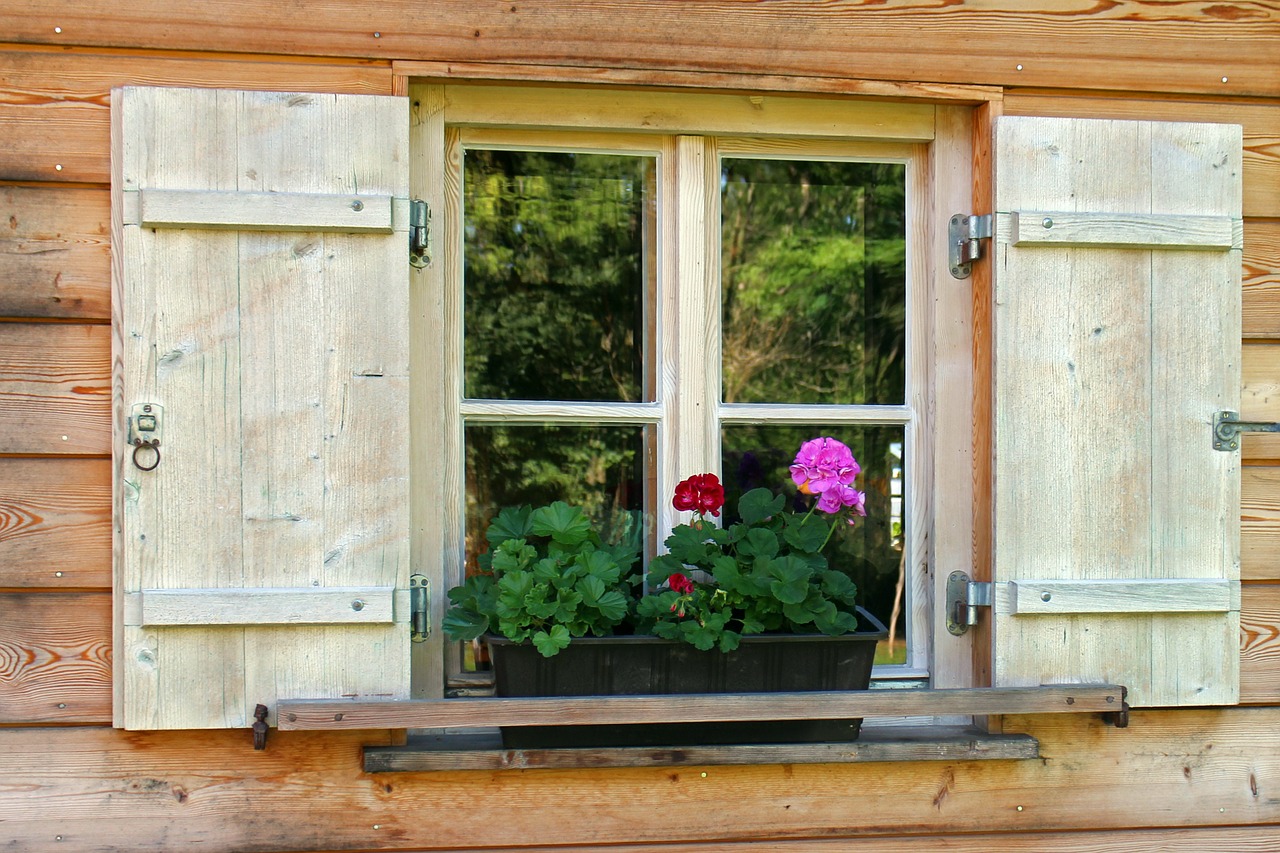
<point x="55" y="523"/>
<point x="1260" y="523"/>
<point x="166" y="791"/>
<point x="1107" y="369"/>
<point x="55" y="253"/>
<point x="284" y="378"/>
<point x="1262" y="275"/>
<point x="55" y="389"/>
<point x="1260" y="398"/>
<point x="304" y="714"/>
<point x="1260" y="644"/>
<point x="54" y="105"/>
<point x="484" y="751"/>
<point x="55" y="658"/>
<point x="1184" y="47"/>
<point x="1261" y="123"/>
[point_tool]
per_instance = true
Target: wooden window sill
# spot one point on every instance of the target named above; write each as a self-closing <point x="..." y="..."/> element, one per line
<point x="484" y="751"/>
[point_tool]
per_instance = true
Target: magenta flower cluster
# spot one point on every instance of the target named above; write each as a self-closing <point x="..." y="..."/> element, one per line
<point x="825" y="467"/>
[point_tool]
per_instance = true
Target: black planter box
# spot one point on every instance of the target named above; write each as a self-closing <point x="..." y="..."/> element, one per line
<point x="640" y="665"/>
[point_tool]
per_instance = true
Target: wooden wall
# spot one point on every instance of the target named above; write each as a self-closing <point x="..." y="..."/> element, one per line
<point x="1183" y="781"/>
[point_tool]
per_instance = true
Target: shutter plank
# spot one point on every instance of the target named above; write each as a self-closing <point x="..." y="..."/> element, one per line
<point x="1109" y="365"/>
<point x="242" y="211"/>
<point x="244" y="347"/>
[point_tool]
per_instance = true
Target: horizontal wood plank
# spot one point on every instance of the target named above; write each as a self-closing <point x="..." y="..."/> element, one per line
<point x="302" y="606"/>
<point x="55" y="658"/>
<point x="1057" y="228"/>
<point x="55" y="389"/>
<point x="1260" y="399"/>
<point x="1260" y="523"/>
<point x="54" y="105"/>
<point x="1261" y="310"/>
<point x="165" y="791"/>
<point x="55" y="256"/>
<point x="1260" y="644"/>
<point x="1261" y="123"/>
<point x="1171" y="595"/>
<point x="555" y="710"/>
<point x="1184" y="47"/>
<point x="484" y="751"/>
<point x="55" y="523"/>
<point x="250" y="211"/>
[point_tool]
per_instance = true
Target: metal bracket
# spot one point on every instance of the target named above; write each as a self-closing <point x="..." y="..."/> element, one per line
<point x="1227" y="427"/>
<point x="963" y="236"/>
<point x="964" y="597"/>
<point x="260" y="727"/>
<point x="419" y="608"/>
<point x="419" y="233"/>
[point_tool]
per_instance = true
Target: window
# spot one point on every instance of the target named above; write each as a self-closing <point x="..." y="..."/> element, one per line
<point x="625" y="305"/>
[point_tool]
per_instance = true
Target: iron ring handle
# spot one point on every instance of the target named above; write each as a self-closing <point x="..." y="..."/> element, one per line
<point x="138" y="444"/>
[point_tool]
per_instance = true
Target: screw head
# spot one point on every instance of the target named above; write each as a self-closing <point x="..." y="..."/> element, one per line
<point x="357" y="605"/>
<point x="1046" y="596"/>
<point x="1048" y="223"/>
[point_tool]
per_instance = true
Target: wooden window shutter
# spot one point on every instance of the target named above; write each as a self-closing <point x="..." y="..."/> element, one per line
<point x="261" y="311"/>
<point x="1117" y="264"/>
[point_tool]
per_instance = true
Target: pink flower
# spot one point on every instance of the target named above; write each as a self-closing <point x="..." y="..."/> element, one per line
<point x="837" y="497"/>
<point x="701" y="493"/>
<point x="823" y="463"/>
<point x="680" y="583"/>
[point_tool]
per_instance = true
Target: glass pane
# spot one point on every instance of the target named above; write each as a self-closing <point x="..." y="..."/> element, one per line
<point x="872" y="551"/>
<point x="598" y="468"/>
<point x="813" y="281"/>
<point x="558" y="256"/>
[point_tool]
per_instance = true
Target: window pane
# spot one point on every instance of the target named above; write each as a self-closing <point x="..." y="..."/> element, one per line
<point x="872" y="551"/>
<point x="813" y="281"/>
<point x="557" y="275"/>
<point x="597" y="468"/>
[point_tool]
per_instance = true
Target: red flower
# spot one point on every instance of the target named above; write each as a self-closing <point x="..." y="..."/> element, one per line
<point x="701" y="493"/>
<point x="680" y="583"/>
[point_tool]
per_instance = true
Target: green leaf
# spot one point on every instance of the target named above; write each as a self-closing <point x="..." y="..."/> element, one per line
<point x="463" y="624"/>
<point x="510" y="523"/>
<point x="511" y="555"/>
<point x="591" y="588"/>
<point x="612" y="606"/>
<point x="838" y="586"/>
<point x="758" y="504"/>
<point x="600" y="564"/>
<point x="687" y="545"/>
<point x="760" y="542"/>
<point x="566" y="524"/>
<point x="550" y="643"/>
<point x="790" y="580"/>
<point x="806" y="532"/>
<point x="729" y="641"/>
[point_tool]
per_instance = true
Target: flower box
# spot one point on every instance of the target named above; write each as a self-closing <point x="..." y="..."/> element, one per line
<point x="642" y="665"/>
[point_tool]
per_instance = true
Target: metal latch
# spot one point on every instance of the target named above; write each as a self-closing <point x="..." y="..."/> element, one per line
<point x="963" y="236"/>
<point x="146" y="425"/>
<point x="1227" y="427"/>
<point x="419" y="608"/>
<point x="419" y="233"/>
<point x="964" y="597"/>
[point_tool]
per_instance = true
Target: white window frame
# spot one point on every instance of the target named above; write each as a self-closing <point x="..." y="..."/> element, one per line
<point x="449" y="117"/>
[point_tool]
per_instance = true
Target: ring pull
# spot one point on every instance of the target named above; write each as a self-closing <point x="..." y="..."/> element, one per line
<point x="138" y="444"/>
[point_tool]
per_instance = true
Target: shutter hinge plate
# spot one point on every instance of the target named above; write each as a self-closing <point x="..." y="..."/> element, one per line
<point x="963" y="236"/>
<point x="419" y="608"/>
<point x="964" y="597"/>
<point x="419" y="233"/>
<point x="1227" y="427"/>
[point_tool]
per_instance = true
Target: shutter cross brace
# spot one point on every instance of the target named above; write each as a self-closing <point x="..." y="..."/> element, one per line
<point x="1227" y="427"/>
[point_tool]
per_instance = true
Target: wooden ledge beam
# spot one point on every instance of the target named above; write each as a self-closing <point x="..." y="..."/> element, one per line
<point x="484" y="751"/>
<point x="334" y="714"/>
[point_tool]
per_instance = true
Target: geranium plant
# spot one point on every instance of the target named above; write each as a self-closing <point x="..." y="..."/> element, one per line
<point x="547" y="578"/>
<point x="766" y="572"/>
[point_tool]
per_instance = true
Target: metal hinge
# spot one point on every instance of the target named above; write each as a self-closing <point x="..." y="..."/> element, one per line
<point x="419" y="608"/>
<point x="1227" y="427"/>
<point x="964" y="597"/>
<point x="419" y="233"/>
<point x="963" y="236"/>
